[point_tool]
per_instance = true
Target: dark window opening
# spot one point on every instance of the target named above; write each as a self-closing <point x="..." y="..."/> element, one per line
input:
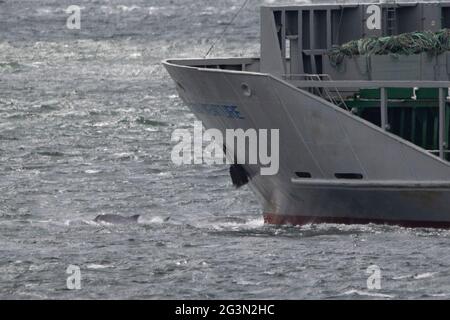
<point x="446" y="17"/>
<point x="349" y="176"/>
<point x="319" y="64"/>
<point x="307" y="65"/>
<point x="303" y="175"/>
<point x="320" y="29"/>
<point x="291" y="23"/>
<point x="279" y="26"/>
<point x="306" y="40"/>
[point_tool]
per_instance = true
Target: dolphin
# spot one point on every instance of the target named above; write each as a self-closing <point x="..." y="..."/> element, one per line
<point x="116" y="219"/>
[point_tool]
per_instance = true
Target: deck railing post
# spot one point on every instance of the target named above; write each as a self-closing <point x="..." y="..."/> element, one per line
<point x="442" y="129"/>
<point x="384" y="111"/>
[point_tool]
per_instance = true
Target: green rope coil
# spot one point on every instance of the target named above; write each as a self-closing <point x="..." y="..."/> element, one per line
<point x="403" y="44"/>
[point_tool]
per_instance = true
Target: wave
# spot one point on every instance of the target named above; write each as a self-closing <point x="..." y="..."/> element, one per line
<point x="368" y="294"/>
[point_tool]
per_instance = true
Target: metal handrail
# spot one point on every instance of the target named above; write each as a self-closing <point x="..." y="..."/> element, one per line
<point x="370" y="84"/>
<point x="292" y="76"/>
<point x="444" y="97"/>
<point x="320" y="78"/>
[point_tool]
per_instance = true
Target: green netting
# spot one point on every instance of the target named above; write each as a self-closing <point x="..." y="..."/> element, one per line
<point x="403" y="44"/>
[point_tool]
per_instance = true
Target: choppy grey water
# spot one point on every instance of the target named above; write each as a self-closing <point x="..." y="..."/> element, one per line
<point x="85" y="124"/>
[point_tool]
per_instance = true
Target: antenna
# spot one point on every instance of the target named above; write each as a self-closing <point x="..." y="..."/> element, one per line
<point x="226" y="28"/>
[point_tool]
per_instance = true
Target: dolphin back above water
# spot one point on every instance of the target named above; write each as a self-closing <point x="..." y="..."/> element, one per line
<point x="116" y="219"/>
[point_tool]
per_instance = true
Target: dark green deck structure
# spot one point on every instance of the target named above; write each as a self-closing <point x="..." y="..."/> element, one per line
<point x="413" y="113"/>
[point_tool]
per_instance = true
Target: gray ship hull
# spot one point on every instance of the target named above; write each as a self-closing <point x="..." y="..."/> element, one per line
<point x="403" y="184"/>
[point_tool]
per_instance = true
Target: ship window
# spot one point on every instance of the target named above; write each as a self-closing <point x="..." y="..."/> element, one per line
<point x="279" y="26"/>
<point x="446" y="17"/>
<point x="303" y="175"/>
<point x="349" y="176"/>
<point x="319" y="64"/>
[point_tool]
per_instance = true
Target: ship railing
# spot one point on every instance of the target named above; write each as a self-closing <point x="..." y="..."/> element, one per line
<point x="324" y="92"/>
<point x="383" y="85"/>
<point x="436" y="152"/>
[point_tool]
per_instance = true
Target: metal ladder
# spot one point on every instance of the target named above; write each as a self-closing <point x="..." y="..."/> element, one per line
<point x="391" y="22"/>
<point x="326" y="93"/>
<point x="323" y="92"/>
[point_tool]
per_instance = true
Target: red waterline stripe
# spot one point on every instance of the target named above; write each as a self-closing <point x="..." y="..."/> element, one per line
<point x="277" y="219"/>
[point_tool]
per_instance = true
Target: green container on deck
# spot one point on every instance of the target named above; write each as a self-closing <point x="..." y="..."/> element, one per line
<point x="416" y="120"/>
<point x="400" y="93"/>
